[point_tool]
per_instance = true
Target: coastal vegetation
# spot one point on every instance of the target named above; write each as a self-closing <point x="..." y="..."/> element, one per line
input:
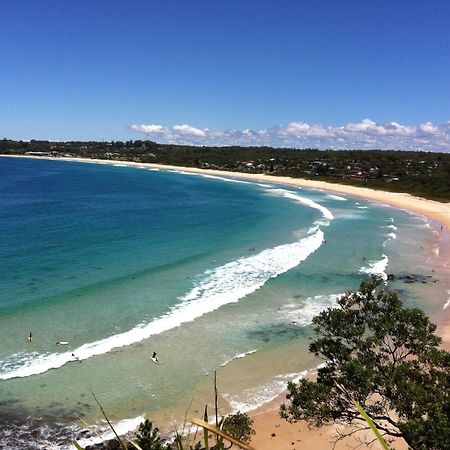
<point x="232" y="429"/>
<point x="386" y="358"/>
<point x="423" y="174"/>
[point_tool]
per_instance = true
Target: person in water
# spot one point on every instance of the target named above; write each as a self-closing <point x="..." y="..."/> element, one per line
<point x="30" y="336"/>
<point x="155" y="358"/>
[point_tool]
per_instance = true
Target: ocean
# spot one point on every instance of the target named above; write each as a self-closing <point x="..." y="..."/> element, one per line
<point x="212" y="273"/>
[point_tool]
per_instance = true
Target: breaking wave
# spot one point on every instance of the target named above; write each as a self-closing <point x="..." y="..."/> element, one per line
<point x="239" y="356"/>
<point x="303" y="312"/>
<point x="327" y="214"/>
<point x="337" y="197"/>
<point x="257" y="396"/>
<point x="376" y="267"/>
<point x="214" y="288"/>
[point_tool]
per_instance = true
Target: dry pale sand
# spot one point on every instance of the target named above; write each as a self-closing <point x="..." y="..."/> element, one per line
<point x="273" y="433"/>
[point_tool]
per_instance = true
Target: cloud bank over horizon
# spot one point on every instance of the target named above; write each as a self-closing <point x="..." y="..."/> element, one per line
<point x="364" y="135"/>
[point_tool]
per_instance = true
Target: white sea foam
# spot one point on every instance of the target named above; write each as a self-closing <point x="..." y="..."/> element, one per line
<point x="230" y="180"/>
<point x="183" y="172"/>
<point x="390" y="235"/>
<point x="215" y="288"/>
<point x="376" y="268"/>
<point x="239" y="356"/>
<point x="327" y="214"/>
<point x="212" y="177"/>
<point x="337" y="197"/>
<point x="120" y="165"/>
<point x="447" y="303"/>
<point x="302" y="312"/>
<point x="362" y="207"/>
<point x="257" y="396"/>
<point x="105" y="433"/>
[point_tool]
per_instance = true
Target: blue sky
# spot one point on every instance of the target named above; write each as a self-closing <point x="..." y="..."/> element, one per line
<point x="332" y="74"/>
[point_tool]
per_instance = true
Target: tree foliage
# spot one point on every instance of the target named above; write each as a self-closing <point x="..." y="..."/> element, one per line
<point x="386" y="357"/>
<point x="239" y="426"/>
<point x="148" y="437"/>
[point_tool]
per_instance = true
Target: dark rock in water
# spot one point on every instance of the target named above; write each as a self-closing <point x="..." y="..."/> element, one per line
<point x="20" y="432"/>
<point x="279" y="331"/>
<point x="409" y="278"/>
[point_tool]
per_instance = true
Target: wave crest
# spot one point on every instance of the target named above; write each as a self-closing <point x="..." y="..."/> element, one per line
<point x="215" y="288"/>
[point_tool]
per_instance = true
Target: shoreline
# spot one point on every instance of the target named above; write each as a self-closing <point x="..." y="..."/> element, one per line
<point x="436" y="210"/>
<point x="272" y="432"/>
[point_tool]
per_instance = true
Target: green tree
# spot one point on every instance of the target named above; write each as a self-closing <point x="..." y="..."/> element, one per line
<point x="384" y="356"/>
<point x="239" y="426"/>
<point x="148" y="438"/>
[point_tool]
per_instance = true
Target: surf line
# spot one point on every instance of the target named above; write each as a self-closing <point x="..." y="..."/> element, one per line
<point x="327" y="214"/>
<point x="214" y="288"/>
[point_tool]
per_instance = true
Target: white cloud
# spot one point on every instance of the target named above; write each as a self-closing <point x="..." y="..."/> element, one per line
<point x="364" y="135"/>
<point x="428" y="128"/>
<point x="189" y="131"/>
<point x="148" y="129"/>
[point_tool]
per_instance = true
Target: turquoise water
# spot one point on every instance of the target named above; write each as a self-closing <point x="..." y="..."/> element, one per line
<point x="211" y="273"/>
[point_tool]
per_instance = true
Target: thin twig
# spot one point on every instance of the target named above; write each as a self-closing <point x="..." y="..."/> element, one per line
<point x="109" y="423"/>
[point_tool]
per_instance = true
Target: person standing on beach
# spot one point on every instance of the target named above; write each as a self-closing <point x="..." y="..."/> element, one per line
<point x="30" y="336"/>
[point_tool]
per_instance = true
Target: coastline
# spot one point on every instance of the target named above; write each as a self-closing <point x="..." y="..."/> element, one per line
<point x="436" y="210"/>
<point x="266" y="420"/>
<point x="433" y="209"/>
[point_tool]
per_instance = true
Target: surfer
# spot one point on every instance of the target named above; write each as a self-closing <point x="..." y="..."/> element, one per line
<point x="62" y="343"/>
<point x="30" y="336"/>
<point x="155" y="358"/>
<point x="76" y="359"/>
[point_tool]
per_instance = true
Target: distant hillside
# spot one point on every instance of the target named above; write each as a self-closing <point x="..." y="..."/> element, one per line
<point x="423" y="174"/>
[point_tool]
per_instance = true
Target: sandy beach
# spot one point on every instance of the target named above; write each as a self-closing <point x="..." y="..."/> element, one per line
<point x="273" y="433"/>
<point x="436" y="210"/>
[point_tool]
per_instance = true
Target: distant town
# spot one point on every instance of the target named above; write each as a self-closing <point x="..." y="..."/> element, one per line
<point x="425" y="174"/>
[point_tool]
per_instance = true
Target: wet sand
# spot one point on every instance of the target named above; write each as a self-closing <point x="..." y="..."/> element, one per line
<point x="273" y="433"/>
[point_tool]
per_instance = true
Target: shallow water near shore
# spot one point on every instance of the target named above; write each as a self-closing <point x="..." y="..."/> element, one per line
<point x="212" y="273"/>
